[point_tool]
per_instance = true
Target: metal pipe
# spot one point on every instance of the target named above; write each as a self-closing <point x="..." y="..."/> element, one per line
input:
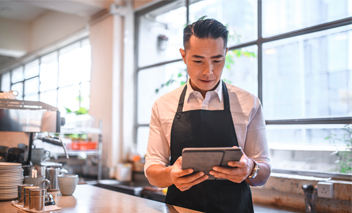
<point x="54" y="141"/>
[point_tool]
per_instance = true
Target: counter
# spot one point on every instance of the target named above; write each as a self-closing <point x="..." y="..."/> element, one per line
<point x="138" y="189"/>
<point x="89" y="198"/>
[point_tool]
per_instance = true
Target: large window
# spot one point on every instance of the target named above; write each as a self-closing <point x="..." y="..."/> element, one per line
<point x="60" y="78"/>
<point x="294" y="55"/>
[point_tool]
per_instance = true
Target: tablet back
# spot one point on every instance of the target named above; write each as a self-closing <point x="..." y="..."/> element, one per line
<point x="201" y="161"/>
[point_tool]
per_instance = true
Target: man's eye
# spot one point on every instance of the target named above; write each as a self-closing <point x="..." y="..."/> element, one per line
<point x="217" y="61"/>
<point x="197" y="62"/>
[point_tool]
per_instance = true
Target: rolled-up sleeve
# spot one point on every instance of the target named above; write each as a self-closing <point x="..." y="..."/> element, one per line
<point x="256" y="144"/>
<point x="158" y="149"/>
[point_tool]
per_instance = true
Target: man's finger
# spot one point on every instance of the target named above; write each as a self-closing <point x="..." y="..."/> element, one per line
<point x="191" y="178"/>
<point x="181" y="173"/>
<point x="188" y="185"/>
<point x="179" y="161"/>
<point x="241" y="163"/>
<point x="199" y="180"/>
<point x="236" y="163"/>
<point x="230" y="171"/>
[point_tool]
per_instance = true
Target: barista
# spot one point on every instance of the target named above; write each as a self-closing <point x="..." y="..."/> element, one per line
<point x="207" y="112"/>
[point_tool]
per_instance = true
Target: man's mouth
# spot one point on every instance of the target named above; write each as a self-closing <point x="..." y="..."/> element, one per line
<point x="206" y="81"/>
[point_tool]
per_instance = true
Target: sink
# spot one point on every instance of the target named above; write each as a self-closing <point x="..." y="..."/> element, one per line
<point x="130" y="187"/>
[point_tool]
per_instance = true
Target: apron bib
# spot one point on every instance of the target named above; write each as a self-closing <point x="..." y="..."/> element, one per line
<point x="207" y="128"/>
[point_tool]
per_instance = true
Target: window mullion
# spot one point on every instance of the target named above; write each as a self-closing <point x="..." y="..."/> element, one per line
<point x="260" y="53"/>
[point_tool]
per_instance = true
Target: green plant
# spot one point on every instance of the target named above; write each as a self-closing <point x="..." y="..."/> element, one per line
<point x="80" y="111"/>
<point x="344" y="157"/>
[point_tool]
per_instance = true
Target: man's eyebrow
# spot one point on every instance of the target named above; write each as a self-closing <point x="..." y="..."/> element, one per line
<point x="199" y="56"/>
<point x="217" y="56"/>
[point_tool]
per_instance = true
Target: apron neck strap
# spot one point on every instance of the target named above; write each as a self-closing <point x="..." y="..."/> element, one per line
<point x="224" y="92"/>
<point x="225" y="95"/>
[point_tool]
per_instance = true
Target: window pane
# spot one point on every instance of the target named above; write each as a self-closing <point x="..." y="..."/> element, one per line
<point x="308" y="148"/>
<point x="70" y="65"/>
<point x="69" y="98"/>
<point x="19" y="88"/>
<point x="241" y="69"/>
<point x="17" y="75"/>
<point x="156" y="78"/>
<point x="31" y="69"/>
<point x="5" y="82"/>
<point x="160" y="34"/>
<point x="240" y="16"/>
<point x="308" y="76"/>
<point x="142" y="140"/>
<point x="48" y="72"/>
<point x="31" y="86"/>
<point x="85" y="95"/>
<point x="85" y="63"/>
<point x="85" y="42"/>
<point x="280" y="16"/>
<point x="49" y="97"/>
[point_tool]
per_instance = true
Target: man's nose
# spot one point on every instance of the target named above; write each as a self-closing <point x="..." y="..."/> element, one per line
<point x="208" y="69"/>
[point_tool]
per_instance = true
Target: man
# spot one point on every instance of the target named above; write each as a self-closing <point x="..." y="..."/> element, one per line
<point x="206" y="112"/>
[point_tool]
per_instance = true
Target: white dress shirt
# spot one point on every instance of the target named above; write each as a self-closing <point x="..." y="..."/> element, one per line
<point x="246" y="111"/>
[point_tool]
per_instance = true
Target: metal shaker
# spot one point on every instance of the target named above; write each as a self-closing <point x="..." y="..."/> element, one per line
<point x="27" y="189"/>
<point x="52" y="174"/>
<point x="37" y="199"/>
<point x="21" y="192"/>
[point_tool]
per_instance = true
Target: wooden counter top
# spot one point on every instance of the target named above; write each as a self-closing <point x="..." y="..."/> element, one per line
<point x="89" y="198"/>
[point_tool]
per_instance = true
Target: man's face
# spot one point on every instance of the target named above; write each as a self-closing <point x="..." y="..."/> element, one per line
<point x="205" y="59"/>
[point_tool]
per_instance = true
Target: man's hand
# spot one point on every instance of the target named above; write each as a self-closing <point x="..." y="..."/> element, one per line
<point x="240" y="171"/>
<point x="178" y="176"/>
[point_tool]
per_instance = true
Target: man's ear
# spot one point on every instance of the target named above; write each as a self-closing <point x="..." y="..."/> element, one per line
<point x="183" y="54"/>
<point x="227" y="49"/>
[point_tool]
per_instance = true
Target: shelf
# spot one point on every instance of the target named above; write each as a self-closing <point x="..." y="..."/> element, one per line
<point x="77" y="152"/>
<point x="80" y="130"/>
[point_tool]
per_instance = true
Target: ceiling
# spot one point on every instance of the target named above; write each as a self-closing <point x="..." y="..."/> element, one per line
<point x="19" y="11"/>
<point x="29" y="10"/>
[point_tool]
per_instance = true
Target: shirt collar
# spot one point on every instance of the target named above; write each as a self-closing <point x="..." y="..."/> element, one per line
<point x="217" y="90"/>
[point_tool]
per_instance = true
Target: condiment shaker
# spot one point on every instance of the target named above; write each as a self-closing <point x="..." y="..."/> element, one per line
<point x="27" y="189"/>
<point x="20" y="191"/>
<point x="52" y="175"/>
<point x="37" y="199"/>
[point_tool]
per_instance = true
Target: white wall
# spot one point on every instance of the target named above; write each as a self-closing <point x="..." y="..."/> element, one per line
<point x="52" y="27"/>
<point x="33" y="38"/>
<point x="47" y="29"/>
<point x="101" y="40"/>
<point x="14" y="35"/>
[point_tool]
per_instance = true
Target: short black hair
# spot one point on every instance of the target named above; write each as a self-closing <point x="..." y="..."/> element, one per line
<point x="205" y="28"/>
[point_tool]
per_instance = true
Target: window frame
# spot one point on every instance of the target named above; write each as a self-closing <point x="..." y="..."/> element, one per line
<point x="259" y="43"/>
<point x="39" y="58"/>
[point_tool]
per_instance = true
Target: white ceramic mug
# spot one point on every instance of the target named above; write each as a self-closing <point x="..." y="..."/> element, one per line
<point x="39" y="155"/>
<point x="67" y="184"/>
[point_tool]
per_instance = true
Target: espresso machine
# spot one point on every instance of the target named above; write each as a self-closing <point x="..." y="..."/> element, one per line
<point x="32" y="117"/>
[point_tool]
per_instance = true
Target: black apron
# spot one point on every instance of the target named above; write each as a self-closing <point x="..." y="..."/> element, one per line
<point x="207" y="128"/>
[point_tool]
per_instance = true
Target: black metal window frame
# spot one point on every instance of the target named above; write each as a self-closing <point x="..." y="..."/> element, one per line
<point x="38" y="76"/>
<point x="259" y="42"/>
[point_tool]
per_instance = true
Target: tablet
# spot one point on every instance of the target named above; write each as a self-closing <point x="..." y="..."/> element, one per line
<point x="203" y="159"/>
